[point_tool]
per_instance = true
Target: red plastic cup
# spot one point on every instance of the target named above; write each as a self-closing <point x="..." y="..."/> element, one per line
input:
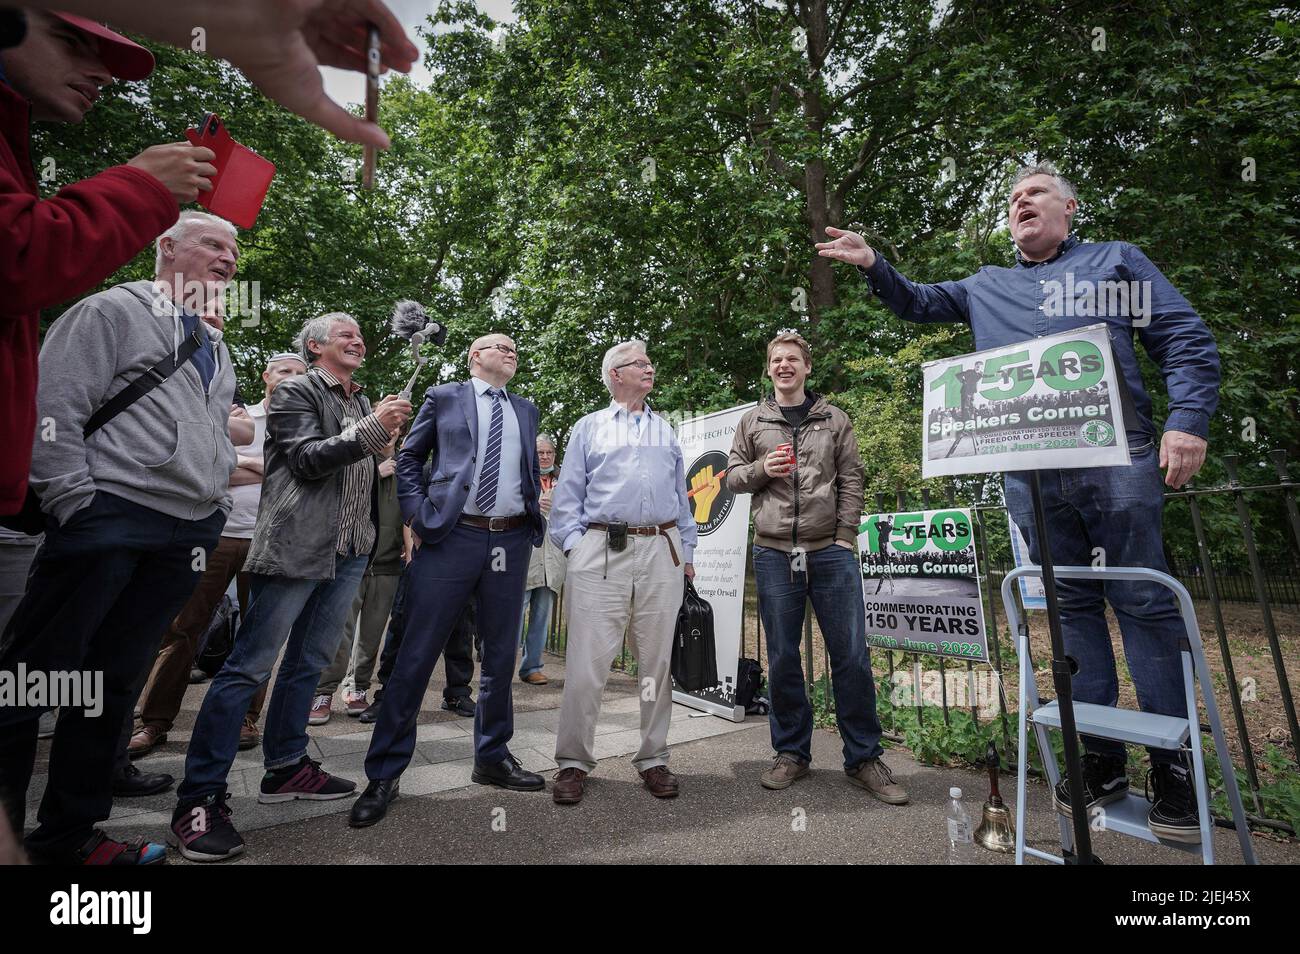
<point x="788" y="450"/>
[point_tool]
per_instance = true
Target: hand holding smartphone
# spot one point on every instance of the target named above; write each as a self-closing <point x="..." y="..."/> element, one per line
<point x="243" y="177"/>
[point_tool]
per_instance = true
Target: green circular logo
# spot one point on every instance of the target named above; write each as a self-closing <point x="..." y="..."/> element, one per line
<point x="1098" y="433"/>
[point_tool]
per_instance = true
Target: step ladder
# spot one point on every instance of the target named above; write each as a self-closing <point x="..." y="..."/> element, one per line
<point x="1128" y="817"/>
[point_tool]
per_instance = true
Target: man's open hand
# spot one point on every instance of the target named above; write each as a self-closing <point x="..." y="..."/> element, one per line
<point x="280" y="46"/>
<point x="1183" y="455"/>
<point x="283" y="59"/>
<point x="847" y="247"/>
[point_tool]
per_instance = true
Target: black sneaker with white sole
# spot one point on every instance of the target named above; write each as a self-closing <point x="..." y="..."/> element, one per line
<point x="1104" y="781"/>
<point x="202" y="830"/>
<point x="1173" y="816"/>
<point x="304" y="779"/>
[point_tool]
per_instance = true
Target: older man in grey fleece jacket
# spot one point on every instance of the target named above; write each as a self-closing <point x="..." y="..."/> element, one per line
<point x="132" y="511"/>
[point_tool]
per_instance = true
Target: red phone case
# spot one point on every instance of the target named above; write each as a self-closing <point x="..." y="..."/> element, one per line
<point x="243" y="177"/>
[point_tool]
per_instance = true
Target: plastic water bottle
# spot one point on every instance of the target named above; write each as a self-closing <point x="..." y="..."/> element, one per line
<point x="961" y="836"/>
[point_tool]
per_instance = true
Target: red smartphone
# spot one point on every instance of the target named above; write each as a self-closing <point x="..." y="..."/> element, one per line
<point x="243" y="177"/>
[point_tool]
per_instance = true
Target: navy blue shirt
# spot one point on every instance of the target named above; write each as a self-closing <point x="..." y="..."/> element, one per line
<point x="205" y="359"/>
<point x="1008" y="305"/>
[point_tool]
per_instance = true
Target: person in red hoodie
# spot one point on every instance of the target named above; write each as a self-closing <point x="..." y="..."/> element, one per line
<point x="55" y="249"/>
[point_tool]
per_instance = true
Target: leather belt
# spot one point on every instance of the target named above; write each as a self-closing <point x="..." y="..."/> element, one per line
<point x="494" y="524"/>
<point x="654" y="531"/>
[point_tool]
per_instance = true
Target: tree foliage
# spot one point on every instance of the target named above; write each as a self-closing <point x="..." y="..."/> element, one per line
<point x="598" y="171"/>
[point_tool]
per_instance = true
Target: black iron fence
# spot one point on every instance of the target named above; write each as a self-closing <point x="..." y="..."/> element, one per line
<point x="1260" y="698"/>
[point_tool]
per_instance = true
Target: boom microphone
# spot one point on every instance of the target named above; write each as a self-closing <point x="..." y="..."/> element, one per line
<point x="411" y="323"/>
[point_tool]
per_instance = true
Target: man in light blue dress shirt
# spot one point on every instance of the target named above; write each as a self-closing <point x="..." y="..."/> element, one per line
<point x="621" y="513"/>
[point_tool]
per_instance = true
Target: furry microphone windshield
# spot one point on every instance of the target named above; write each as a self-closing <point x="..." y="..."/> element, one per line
<point x="412" y="323"/>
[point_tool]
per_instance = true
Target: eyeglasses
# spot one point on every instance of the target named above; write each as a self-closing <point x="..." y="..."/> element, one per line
<point x="639" y="365"/>
<point x="508" y="351"/>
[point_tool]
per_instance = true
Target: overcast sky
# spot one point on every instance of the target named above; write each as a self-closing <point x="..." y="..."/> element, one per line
<point x="347" y="87"/>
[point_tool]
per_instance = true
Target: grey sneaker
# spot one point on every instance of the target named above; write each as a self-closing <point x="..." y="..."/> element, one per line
<point x="875" y="777"/>
<point x="785" y="770"/>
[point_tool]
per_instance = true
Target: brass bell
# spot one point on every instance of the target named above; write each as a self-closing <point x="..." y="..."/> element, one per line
<point x="996" y="831"/>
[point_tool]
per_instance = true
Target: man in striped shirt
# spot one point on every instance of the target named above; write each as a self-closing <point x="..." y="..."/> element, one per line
<point x="314" y="535"/>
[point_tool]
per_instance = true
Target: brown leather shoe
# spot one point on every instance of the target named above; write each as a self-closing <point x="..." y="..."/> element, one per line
<point x="249" y="737"/>
<point x="567" y="789"/>
<point x="661" y="782"/>
<point x="875" y="777"/>
<point x="145" y="740"/>
<point x="785" y="770"/>
<point x="534" y="679"/>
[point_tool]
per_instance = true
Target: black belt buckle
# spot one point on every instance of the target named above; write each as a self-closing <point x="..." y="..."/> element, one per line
<point x="617" y="533"/>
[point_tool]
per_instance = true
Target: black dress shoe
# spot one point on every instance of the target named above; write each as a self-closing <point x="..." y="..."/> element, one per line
<point x="372" y="806"/>
<point x="508" y="774"/>
<point x="371" y="713"/>
<point x="133" y="783"/>
<point x="461" y="705"/>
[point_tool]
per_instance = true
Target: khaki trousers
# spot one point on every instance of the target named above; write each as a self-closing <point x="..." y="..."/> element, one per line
<point x="638" y="593"/>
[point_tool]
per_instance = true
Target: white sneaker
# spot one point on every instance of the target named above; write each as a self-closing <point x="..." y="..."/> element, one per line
<point x="320" y="710"/>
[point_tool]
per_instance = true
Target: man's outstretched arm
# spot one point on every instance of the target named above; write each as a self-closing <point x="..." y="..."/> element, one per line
<point x="911" y="301"/>
<point x="279" y="46"/>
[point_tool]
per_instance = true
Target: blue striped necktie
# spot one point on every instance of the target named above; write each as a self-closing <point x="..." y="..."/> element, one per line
<point x="489" y="476"/>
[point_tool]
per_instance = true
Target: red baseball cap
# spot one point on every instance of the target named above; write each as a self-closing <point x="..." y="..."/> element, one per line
<point x="124" y="59"/>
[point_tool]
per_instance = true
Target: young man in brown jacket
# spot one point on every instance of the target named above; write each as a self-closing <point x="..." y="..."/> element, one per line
<point x="797" y="455"/>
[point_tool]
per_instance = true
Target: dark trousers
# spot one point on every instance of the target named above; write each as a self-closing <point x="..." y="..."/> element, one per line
<point x="104" y="587"/>
<point x="1119" y="510"/>
<point x="469" y="565"/>
<point x="457" y="656"/>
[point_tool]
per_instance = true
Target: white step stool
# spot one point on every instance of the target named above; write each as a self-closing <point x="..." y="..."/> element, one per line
<point x="1128" y="817"/>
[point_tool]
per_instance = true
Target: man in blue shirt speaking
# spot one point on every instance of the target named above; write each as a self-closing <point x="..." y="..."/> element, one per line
<point x="1057" y="284"/>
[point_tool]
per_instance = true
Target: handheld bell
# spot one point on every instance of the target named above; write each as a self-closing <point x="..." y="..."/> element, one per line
<point x="996" y="831"/>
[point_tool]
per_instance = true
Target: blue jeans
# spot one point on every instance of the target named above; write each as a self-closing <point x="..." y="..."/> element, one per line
<point x="1118" y="509"/>
<point x="540" y="598"/>
<point x="309" y="614"/>
<point x="834" y="583"/>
